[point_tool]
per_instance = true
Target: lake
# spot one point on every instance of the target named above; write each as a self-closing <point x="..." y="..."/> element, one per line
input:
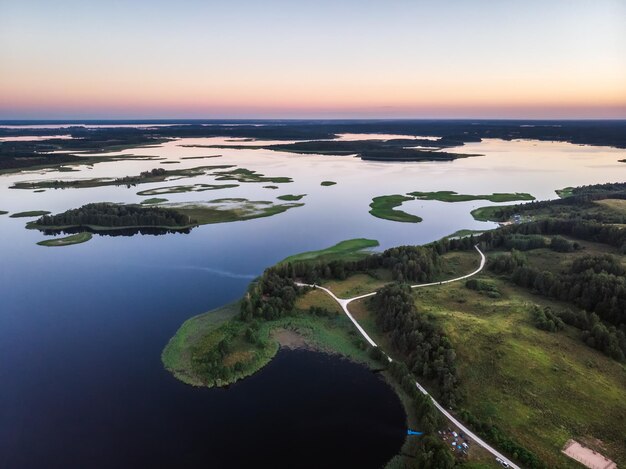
<point x="82" y="327"/>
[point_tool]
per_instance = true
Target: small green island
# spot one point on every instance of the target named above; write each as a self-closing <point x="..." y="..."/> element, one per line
<point x="327" y="183"/>
<point x="385" y="207"/>
<point x="291" y="197"/>
<point x="3" y="212"/>
<point x="29" y="214"/>
<point x="77" y="238"/>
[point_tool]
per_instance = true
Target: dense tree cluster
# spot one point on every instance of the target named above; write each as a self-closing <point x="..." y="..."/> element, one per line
<point x="428" y="351"/>
<point x="433" y="452"/>
<point x="581" y="229"/>
<point x="608" y="339"/>
<point x="482" y="286"/>
<point x="270" y="297"/>
<point x="595" y="283"/>
<point x="116" y="215"/>
<point x="546" y="320"/>
<point x="130" y="180"/>
<point x="406" y="263"/>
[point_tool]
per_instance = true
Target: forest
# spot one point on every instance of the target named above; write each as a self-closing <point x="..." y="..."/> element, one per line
<point x="114" y="215"/>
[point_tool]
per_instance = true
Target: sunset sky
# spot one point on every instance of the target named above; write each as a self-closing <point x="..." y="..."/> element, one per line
<point x="319" y="59"/>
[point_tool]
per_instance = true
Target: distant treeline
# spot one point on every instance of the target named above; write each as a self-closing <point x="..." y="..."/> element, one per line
<point x="115" y="215"/>
<point x="20" y="154"/>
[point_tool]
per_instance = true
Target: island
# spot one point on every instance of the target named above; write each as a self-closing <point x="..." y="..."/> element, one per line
<point x="29" y="214"/>
<point x="548" y="296"/>
<point x="186" y="188"/>
<point x="77" y="238"/>
<point x="145" y="177"/>
<point x="384" y="207"/>
<point x="109" y="218"/>
<point x="291" y="197"/>
<point x="327" y="183"/>
<point x="451" y="196"/>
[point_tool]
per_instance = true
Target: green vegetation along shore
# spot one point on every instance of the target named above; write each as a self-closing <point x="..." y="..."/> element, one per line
<point x="77" y="238"/>
<point x="529" y="353"/>
<point x="384" y="207"/>
<point x="451" y="196"/>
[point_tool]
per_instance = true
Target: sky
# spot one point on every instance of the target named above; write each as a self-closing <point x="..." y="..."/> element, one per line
<point x="133" y="59"/>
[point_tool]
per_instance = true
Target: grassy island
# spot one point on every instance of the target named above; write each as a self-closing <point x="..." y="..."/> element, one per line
<point x="29" y="214"/>
<point x="384" y="207"/>
<point x="290" y="197"/>
<point x="247" y="175"/>
<point x="186" y="188"/>
<point x="327" y="183"/>
<point x="154" y="175"/>
<point x="78" y="238"/>
<point x="451" y="196"/>
<point x="3" y="212"/>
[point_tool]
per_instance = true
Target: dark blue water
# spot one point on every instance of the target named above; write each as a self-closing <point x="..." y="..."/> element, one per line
<point x="82" y="384"/>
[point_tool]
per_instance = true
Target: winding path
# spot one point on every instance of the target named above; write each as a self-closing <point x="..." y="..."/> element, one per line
<point x="344" y="306"/>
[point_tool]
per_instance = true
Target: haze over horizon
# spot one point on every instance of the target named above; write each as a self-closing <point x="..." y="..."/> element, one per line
<point x="280" y="59"/>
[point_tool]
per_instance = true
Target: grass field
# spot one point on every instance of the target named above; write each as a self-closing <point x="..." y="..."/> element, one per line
<point x="350" y="249"/>
<point x="67" y="240"/>
<point x="543" y="388"/>
<point x="384" y="207"/>
<point x="359" y="284"/>
<point x="617" y="205"/>
<point x="29" y="214"/>
<point x="451" y="196"/>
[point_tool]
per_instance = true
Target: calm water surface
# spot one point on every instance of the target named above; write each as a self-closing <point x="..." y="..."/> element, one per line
<point x="82" y="327"/>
